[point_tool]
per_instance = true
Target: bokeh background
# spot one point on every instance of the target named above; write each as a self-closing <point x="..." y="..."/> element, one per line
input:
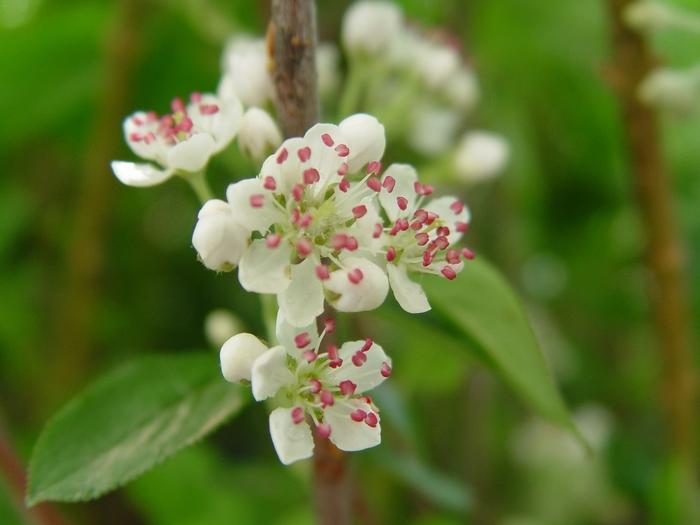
<point x="93" y="273"/>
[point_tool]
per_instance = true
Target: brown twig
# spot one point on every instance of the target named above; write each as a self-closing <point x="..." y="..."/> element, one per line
<point x="666" y="256"/>
<point x="78" y="294"/>
<point x="291" y="46"/>
<point x="13" y="472"/>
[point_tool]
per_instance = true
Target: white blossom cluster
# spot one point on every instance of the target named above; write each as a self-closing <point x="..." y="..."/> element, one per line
<point x="324" y="222"/>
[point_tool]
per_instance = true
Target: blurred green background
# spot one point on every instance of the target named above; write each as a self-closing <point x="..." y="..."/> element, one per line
<point x="93" y="273"/>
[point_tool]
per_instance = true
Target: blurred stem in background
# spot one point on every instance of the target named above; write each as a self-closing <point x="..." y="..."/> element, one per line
<point x="292" y="47"/>
<point x="12" y="471"/>
<point x="77" y="294"/>
<point x="665" y="249"/>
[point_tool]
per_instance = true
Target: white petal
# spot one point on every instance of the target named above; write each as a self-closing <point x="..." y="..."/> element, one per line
<point x="325" y="158"/>
<point x="270" y="373"/>
<point x="238" y="355"/>
<point x="239" y="197"/>
<point x="405" y="176"/>
<point x="371" y="27"/>
<point x="219" y="240"/>
<point x="302" y="301"/>
<point x="441" y="206"/>
<point x="366" y="139"/>
<point x="365" y="295"/>
<point x="191" y="154"/>
<point x="150" y="150"/>
<point x="284" y="165"/>
<point x="408" y="294"/>
<point x="292" y="441"/>
<point x="140" y="175"/>
<point x="259" y="134"/>
<point x="286" y="333"/>
<point x="368" y="375"/>
<point x="351" y="435"/>
<point x="263" y="269"/>
<point x="222" y="125"/>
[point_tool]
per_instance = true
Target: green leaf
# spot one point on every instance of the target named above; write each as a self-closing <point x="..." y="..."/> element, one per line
<point x="128" y="422"/>
<point x="484" y="309"/>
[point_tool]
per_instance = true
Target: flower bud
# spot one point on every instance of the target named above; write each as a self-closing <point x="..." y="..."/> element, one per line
<point x="676" y="91"/>
<point x="433" y="129"/>
<point x="462" y="91"/>
<point x="361" y="285"/>
<point x="437" y="64"/>
<point x="647" y="15"/>
<point x="220" y="325"/>
<point x="480" y="156"/>
<point x="247" y="76"/>
<point x="327" y="59"/>
<point x="365" y="138"/>
<point x="217" y="237"/>
<point x="258" y="135"/>
<point x="370" y="27"/>
<point x="237" y="356"/>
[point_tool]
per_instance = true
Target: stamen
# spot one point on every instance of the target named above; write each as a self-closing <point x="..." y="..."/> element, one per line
<point x="359" y="211"/>
<point x="448" y="272"/>
<point x="282" y="156"/>
<point x="355" y="276"/>
<point x="302" y="340"/>
<point x="329" y="325"/>
<point x="461" y="227"/>
<point x="270" y="183"/>
<point x="273" y="240"/>
<point x="304" y="154"/>
<point x="306" y="220"/>
<point x="402" y="203"/>
<point x="343" y="169"/>
<point x="358" y="415"/>
<point x="390" y="253"/>
<point x="310" y="356"/>
<point x="368" y="344"/>
<point x="297" y="415"/>
<point x="389" y="183"/>
<point x="378" y="229"/>
<point x="333" y="360"/>
<point x="347" y="387"/>
<point x="177" y="105"/>
<point x="342" y="150"/>
<point x="322" y="272"/>
<point x="372" y="419"/>
<point x="351" y="244"/>
<point x="468" y="254"/>
<point x="339" y="241"/>
<point x="385" y="370"/>
<point x="359" y="358"/>
<point x="344" y="185"/>
<point x="323" y="430"/>
<point x="374" y="184"/>
<point x="327" y="139"/>
<point x="196" y="97"/>
<point x="315" y="386"/>
<point x="374" y="167"/>
<point x="208" y="109"/>
<point x="257" y="200"/>
<point x="326" y="398"/>
<point x="304" y="247"/>
<point x="442" y="243"/>
<point x="311" y="176"/>
<point x="457" y="207"/>
<point x="297" y="192"/>
<point x="452" y="256"/>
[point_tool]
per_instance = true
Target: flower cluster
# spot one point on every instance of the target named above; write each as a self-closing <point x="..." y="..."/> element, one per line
<point x="321" y="222"/>
<point x="313" y="385"/>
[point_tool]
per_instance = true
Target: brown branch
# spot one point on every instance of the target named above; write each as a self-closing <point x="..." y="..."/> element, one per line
<point x="666" y="254"/>
<point x="291" y="46"/>
<point x="79" y="292"/>
<point x="13" y="472"/>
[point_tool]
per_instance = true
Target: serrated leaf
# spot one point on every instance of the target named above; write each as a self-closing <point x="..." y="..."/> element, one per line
<point x="126" y="423"/>
<point x="486" y="311"/>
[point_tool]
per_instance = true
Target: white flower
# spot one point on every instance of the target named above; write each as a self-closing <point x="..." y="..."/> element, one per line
<point x="677" y="91"/>
<point x="238" y="355"/>
<point x="314" y="221"/>
<point x="420" y="236"/>
<point x="371" y="27"/>
<point x="433" y="129"/>
<point x="436" y="63"/>
<point x="320" y="389"/>
<point x="327" y="60"/>
<point x="182" y="141"/>
<point x="259" y="134"/>
<point x="219" y="240"/>
<point x="462" y="90"/>
<point x="220" y="325"/>
<point x="480" y="156"/>
<point x="246" y="73"/>
<point x="366" y="138"/>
